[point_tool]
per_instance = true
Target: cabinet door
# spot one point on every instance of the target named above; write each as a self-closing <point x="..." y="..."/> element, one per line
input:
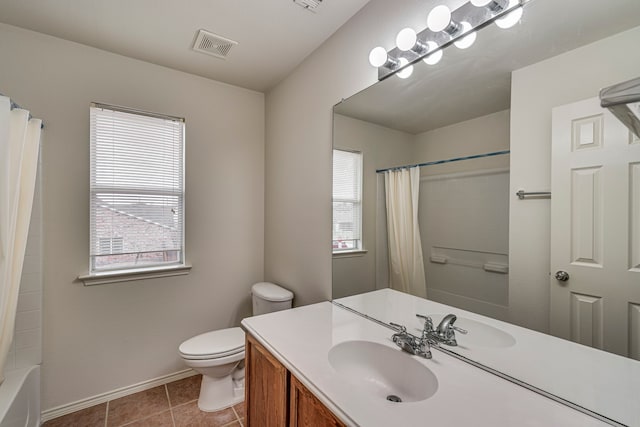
<point x="266" y="387"/>
<point x="307" y="410"/>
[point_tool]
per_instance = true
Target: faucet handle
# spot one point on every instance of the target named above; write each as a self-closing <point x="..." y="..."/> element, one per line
<point x="462" y="331"/>
<point x="428" y="322"/>
<point x="398" y="327"/>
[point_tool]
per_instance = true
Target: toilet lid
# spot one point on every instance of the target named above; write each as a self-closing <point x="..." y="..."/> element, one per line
<point x="271" y="292"/>
<point x="214" y="344"/>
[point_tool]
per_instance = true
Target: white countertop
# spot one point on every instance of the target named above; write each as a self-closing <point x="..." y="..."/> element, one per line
<point x="467" y="396"/>
<point x="603" y="382"/>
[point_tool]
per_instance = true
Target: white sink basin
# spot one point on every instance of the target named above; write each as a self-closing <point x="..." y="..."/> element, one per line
<point x="478" y="334"/>
<point x="382" y="371"/>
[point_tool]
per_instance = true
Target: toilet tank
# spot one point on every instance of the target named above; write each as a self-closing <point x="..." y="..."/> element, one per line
<point x="269" y="297"/>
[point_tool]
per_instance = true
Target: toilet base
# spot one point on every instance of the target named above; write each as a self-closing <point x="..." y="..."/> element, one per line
<point x="220" y="393"/>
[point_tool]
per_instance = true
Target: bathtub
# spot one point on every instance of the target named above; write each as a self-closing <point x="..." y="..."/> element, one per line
<point x="20" y="398"/>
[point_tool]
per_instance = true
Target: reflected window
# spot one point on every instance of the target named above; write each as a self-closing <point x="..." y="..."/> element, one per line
<point x="347" y="201"/>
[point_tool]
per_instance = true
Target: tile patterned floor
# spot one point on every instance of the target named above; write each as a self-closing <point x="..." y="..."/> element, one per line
<point x="171" y="405"/>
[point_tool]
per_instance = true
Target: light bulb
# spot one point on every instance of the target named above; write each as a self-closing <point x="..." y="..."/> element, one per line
<point x="493" y="5"/>
<point x="378" y="56"/>
<point x="406" y="39"/>
<point x="439" y="18"/>
<point x="435" y="57"/>
<point x="467" y="40"/>
<point x="407" y="71"/>
<point x="510" y="18"/>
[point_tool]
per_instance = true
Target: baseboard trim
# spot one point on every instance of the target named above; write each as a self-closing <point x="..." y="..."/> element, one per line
<point x="61" y="410"/>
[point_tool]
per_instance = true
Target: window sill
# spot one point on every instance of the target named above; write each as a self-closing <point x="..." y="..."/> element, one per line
<point x="130" y="275"/>
<point x="349" y="254"/>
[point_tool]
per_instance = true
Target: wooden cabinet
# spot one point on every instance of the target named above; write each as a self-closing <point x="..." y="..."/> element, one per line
<point x="307" y="410"/>
<point x="266" y="387"/>
<point x="275" y="398"/>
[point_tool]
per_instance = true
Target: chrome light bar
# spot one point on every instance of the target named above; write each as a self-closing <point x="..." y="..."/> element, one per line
<point x="465" y="20"/>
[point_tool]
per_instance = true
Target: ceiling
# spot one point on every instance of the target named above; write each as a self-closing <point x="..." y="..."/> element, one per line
<point x="477" y="81"/>
<point x="273" y="36"/>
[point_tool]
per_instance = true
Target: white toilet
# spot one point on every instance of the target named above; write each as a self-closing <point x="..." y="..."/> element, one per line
<point x="217" y="354"/>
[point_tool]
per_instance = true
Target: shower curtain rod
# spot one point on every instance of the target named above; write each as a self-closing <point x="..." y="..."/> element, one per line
<point x="14" y="105"/>
<point x="439" y="162"/>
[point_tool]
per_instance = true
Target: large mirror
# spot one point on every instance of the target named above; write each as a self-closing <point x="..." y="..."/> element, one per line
<point x="481" y="125"/>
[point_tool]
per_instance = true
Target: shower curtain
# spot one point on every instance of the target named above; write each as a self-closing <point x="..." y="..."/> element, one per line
<point x="19" y="146"/>
<point x="406" y="266"/>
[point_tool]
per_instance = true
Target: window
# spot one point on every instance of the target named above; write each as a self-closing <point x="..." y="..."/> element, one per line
<point x="137" y="190"/>
<point x="347" y="201"/>
<point x="110" y="245"/>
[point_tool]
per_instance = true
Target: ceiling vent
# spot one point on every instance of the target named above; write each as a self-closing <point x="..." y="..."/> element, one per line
<point x="212" y="44"/>
<point x="310" y="5"/>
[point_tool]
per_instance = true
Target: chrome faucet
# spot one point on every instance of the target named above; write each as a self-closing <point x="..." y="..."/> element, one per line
<point x="410" y="343"/>
<point x="445" y="332"/>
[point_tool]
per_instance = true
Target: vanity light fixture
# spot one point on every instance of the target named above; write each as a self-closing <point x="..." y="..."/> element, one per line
<point x="435" y="57"/>
<point x="512" y="18"/>
<point x="439" y="19"/>
<point x="378" y="57"/>
<point x="405" y="72"/>
<point x="444" y="27"/>
<point x="407" y="39"/>
<point x="493" y="5"/>
<point x="468" y="39"/>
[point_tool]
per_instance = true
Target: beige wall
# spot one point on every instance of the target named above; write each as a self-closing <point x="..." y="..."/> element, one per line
<point x="298" y="145"/>
<point x="476" y="136"/>
<point x="570" y="77"/>
<point x="380" y="147"/>
<point x="100" y="338"/>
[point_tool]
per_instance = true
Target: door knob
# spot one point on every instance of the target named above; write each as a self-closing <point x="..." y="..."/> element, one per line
<point x="562" y="276"/>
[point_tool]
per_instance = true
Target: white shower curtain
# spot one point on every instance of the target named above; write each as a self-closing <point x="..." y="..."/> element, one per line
<point x="19" y="146"/>
<point x="406" y="266"/>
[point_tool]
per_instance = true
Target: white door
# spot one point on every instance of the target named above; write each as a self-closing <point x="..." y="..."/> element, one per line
<point x="595" y="229"/>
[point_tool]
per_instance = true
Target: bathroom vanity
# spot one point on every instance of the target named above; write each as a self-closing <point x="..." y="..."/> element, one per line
<point x="325" y="365"/>
<point x="274" y="395"/>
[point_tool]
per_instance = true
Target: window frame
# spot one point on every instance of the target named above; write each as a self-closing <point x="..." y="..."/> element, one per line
<point x="120" y="273"/>
<point x="359" y="245"/>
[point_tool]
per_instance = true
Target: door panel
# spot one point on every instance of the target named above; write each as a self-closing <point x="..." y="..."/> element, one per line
<point x="595" y="229"/>
<point x="586" y="216"/>
<point x="586" y="320"/>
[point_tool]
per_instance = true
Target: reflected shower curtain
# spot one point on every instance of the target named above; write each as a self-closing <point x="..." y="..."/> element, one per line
<point x="406" y="267"/>
<point x="19" y="145"/>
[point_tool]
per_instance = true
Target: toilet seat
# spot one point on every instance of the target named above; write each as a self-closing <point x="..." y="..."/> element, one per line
<point x="213" y="345"/>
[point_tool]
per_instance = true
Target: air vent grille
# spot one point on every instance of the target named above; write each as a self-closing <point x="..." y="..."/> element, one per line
<point x="310" y="5"/>
<point x="213" y="44"/>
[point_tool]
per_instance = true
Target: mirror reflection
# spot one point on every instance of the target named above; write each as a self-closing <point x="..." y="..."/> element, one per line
<point x="444" y="152"/>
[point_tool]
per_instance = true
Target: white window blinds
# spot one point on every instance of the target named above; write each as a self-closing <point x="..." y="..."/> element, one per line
<point x="347" y="200"/>
<point x="137" y="189"/>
